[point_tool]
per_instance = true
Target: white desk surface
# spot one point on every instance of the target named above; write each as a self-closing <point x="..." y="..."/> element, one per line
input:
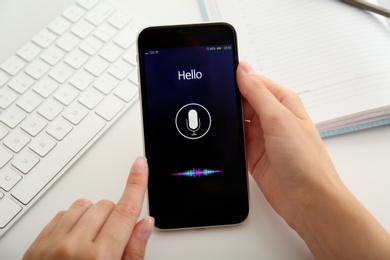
<point x="362" y="160"/>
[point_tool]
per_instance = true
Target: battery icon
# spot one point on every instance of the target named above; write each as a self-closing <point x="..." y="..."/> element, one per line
<point x="219" y="48"/>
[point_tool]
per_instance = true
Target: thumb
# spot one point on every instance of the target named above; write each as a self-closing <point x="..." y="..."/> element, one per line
<point x="255" y="91"/>
<point x="136" y="246"/>
<point x="267" y="97"/>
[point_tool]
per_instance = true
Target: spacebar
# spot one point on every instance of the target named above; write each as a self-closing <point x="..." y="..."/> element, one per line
<point x="57" y="159"/>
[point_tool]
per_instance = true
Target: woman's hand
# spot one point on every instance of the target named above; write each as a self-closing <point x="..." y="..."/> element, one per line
<point x="104" y="230"/>
<point x="291" y="166"/>
<point x="285" y="153"/>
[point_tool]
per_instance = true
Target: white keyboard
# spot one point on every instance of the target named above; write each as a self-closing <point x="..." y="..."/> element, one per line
<point x="58" y="94"/>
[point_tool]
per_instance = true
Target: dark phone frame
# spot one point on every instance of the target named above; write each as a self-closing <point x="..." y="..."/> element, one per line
<point x="193" y="35"/>
<point x="174" y="36"/>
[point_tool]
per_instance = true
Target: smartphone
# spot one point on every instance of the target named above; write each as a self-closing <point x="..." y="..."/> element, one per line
<point x="193" y="125"/>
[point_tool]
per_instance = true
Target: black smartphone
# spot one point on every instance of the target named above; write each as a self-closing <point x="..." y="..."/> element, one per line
<point x="193" y="125"/>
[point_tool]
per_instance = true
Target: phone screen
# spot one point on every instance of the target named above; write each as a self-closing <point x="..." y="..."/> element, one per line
<point x="193" y="132"/>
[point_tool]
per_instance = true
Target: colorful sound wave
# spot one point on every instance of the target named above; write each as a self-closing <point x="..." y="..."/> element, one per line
<point x="196" y="173"/>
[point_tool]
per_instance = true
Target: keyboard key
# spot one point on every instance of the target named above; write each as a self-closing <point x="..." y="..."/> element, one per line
<point x="130" y="55"/>
<point x="42" y="145"/>
<point x="29" y="102"/>
<point x="105" y="83"/>
<point x="75" y="113"/>
<point x="120" y="69"/>
<point x="12" y="117"/>
<point x="91" y="98"/>
<point x="105" y="32"/>
<point x="25" y="161"/>
<point x="119" y="20"/>
<point x="44" y="38"/>
<point x="59" y="25"/>
<point x="13" y="65"/>
<point x="29" y="51"/>
<point x="16" y="141"/>
<point x="21" y="83"/>
<point x="57" y="159"/>
<point x="5" y="157"/>
<point x="37" y="69"/>
<point x="82" y="29"/>
<point x="3" y="132"/>
<point x="126" y="91"/>
<point x="45" y="87"/>
<point x="52" y="55"/>
<point x="87" y="4"/>
<point x="81" y="80"/>
<point x="96" y="66"/>
<point x="66" y="94"/>
<point x="76" y="59"/>
<point x="50" y="109"/>
<point x="91" y="45"/>
<point x="61" y="72"/>
<point x="97" y="15"/>
<point x="7" y="97"/>
<point x="59" y="129"/>
<point x="110" y="52"/>
<point x="9" y="210"/>
<point x="109" y="108"/>
<point x="127" y="35"/>
<point x="33" y="125"/>
<point x="3" y="78"/>
<point x="73" y="13"/>
<point x="8" y="178"/>
<point x="67" y="42"/>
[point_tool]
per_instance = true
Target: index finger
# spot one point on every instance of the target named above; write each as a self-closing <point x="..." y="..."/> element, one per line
<point x="120" y="223"/>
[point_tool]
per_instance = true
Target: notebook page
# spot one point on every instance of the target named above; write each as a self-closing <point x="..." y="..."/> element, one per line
<point x="385" y="4"/>
<point x="335" y="56"/>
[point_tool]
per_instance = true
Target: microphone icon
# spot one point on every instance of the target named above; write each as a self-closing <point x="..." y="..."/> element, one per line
<point x="193" y="121"/>
<point x="187" y="121"/>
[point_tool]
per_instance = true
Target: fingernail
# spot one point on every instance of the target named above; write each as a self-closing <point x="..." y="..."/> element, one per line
<point x="246" y="67"/>
<point x="147" y="228"/>
<point x="138" y="165"/>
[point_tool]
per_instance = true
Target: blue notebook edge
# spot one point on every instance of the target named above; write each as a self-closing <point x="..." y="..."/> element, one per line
<point x="324" y="134"/>
<point x="203" y="11"/>
<point x="355" y="128"/>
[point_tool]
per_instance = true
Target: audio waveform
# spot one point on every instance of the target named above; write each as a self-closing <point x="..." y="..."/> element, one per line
<point x="196" y="173"/>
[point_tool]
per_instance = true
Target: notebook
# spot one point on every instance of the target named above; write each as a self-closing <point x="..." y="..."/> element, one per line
<point x="336" y="57"/>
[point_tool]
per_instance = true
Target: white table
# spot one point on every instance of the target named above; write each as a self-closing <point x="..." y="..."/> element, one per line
<point x="362" y="159"/>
